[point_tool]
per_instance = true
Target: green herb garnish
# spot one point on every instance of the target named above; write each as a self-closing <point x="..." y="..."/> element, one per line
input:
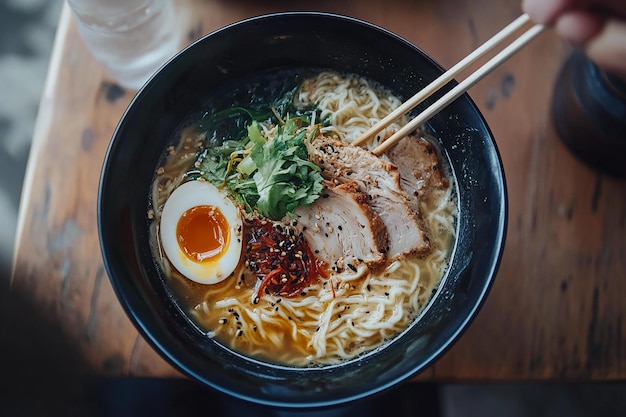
<point x="272" y="175"/>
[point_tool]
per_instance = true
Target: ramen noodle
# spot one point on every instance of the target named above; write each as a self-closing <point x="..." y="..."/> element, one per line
<point x="348" y="308"/>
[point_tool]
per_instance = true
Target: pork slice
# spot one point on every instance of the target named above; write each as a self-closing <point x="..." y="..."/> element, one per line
<point x="341" y="228"/>
<point x="419" y="165"/>
<point x="341" y="162"/>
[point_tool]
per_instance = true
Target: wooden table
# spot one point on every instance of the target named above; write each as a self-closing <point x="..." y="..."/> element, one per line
<point x="557" y="309"/>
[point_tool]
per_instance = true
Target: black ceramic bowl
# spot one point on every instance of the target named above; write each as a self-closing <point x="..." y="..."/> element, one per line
<point x="239" y="51"/>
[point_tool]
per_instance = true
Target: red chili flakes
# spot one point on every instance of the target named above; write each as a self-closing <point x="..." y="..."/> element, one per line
<point x="281" y="258"/>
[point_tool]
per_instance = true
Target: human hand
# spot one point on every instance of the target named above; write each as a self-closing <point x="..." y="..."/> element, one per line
<point x="596" y="26"/>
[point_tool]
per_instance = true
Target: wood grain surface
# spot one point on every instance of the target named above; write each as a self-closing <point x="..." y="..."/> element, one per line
<point x="556" y="310"/>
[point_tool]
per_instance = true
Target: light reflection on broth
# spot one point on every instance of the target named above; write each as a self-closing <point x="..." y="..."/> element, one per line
<point x="335" y="318"/>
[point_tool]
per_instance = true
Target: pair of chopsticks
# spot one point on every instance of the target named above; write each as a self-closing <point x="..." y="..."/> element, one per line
<point x="459" y="89"/>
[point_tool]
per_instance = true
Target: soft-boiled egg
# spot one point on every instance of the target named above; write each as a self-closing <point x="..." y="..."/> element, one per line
<point x="201" y="232"/>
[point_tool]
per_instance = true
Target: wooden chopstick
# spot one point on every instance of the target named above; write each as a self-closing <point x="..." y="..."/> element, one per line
<point x="444" y="78"/>
<point x="462" y="87"/>
<point x="447" y="76"/>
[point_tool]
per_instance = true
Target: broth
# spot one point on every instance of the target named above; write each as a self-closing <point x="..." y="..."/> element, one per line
<point x="336" y="317"/>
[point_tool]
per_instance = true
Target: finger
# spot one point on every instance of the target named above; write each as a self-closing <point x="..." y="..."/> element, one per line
<point x="608" y="48"/>
<point x="578" y="27"/>
<point x="546" y="11"/>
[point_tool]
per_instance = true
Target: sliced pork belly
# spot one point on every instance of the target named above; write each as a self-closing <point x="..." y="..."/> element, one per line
<point x="420" y="169"/>
<point x="341" y="227"/>
<point x="341" y="162"/>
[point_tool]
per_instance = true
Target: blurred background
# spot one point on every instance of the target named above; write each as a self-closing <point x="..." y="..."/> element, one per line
<point x="27" y="29"/>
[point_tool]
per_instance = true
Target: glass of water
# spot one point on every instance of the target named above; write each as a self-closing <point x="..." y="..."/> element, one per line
<point x="130" y="38"/>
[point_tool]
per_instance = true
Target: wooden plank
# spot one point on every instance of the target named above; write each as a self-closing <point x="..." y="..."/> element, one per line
<point x="556" y="308"/>
<point x="57" y="260"/>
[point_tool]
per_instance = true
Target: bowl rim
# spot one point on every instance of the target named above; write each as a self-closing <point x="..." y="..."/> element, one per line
<point x="148" y="334"/>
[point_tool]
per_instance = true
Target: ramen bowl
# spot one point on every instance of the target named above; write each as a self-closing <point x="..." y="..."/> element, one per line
<point x="258" y="45"/>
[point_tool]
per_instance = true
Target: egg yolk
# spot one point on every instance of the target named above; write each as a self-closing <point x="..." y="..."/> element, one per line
<point x="202" y="233"/>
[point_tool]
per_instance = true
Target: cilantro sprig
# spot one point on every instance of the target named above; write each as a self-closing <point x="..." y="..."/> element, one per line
<point x="272" y="175"/>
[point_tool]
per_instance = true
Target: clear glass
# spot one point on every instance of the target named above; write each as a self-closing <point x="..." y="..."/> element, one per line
<point x="131" y="38"/>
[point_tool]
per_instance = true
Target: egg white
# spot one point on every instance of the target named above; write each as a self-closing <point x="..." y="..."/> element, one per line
<point x="186" y="196"/>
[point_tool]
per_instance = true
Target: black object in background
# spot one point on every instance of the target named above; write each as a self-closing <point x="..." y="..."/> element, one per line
<point x="589" y="113"/>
